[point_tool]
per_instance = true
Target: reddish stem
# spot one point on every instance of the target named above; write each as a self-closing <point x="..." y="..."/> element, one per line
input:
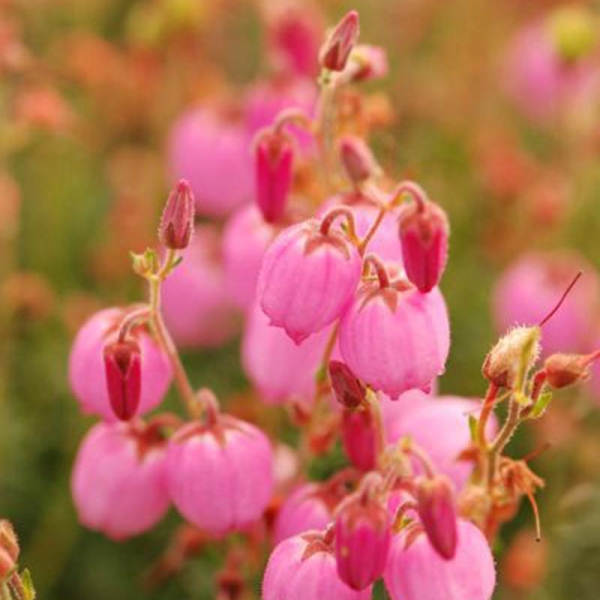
<point x="416" y="192"/>
<point x="374" y="262"/>
<point x="562" y="299"/>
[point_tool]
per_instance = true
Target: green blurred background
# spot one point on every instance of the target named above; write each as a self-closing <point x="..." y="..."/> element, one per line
<point x="90" y="175"/>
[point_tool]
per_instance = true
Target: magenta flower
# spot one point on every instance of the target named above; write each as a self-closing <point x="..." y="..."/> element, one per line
<point x="415" y="571"/>
<point x="362" y="540"/>
<point x="87" y="370"/>
<point x="359" y="438"/>
<point x="424" y="234"/>
<point x="118" y="481"/>
<point x="245" y="240"/>
<point x="304" y="568"/>
<point x="123" y="370"/>
<point x="305" y="509"/>
<point x="437" y="511"/>
<point x="395" y="338"/>
<point x="274" y="158"/>
<point x="220" y="477"/>
<point x="280" y="369"/>
<point x="336" y="50"/>
<point x="532" y="286"/>
<point x="195" y="302"/>
<point x="307" y="278"/>
<point x="212" y="152"/>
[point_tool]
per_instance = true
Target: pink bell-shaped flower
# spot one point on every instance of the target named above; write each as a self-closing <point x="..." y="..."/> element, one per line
<point x="212" y="152"/>
<point x="280" y="369"/>
<point x="118" y="481"/>
<point x="194" y="297"/>
<point x="307" y="508"/>
<point x="245" y="240"/>
<point x="274" y="171"/>
<point x="87" y="367"/>
<point x="395" y="338"/>
<point x="362" y="539"/>
<point x="451" y="416"/>
<point x="532" y="286"/>
<point x="304" y="568"/>
<point x="308" y="276"/>
<point x="220" y="475"/>
<point x="415" y="571"/>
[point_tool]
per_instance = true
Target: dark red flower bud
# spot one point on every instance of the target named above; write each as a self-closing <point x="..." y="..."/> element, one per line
<point x="359" y="438"/>
<point x="123" y="369"/>
<point x="274" y="157"/>
<point x="424" y="234"/>
<point x="177" y="221"/>
<point x="348" y="389"/>
<point x="565" y="369"/>
<point x="334" y="53"/>
<point x="437" y="511"/>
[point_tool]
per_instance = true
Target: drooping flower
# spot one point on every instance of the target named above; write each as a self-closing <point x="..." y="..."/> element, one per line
<point x="118" y="481"/>
<point x="394" y="337"/>
<point x="307" y="278"/>
<point x="415" y="571"/>
<point x="220" y="475"/>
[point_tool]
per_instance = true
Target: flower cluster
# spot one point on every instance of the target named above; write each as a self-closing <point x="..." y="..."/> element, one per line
<point x="334" y="268"/>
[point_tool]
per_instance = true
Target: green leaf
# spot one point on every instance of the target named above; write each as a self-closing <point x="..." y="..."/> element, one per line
<point x="28" y="585"/>
<point x="541" y="405"/>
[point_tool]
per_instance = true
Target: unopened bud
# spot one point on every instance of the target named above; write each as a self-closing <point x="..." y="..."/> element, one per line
<point x="512" y="356"/>
<point x="437" y="511"/>
<point x="334" y="53"/>
<point x="424" y="232"/>
<point x="357" y="159"/>
<point x="362" y="540"/>
<point x="348" y="389"/>
<point x="274" y="157"/>
<point x="9" y="549"/>
<point x="177" y="221"/>
<point x="123" y="370"/>
<point x="565" y="369"/>
<point x="359" y="438"/>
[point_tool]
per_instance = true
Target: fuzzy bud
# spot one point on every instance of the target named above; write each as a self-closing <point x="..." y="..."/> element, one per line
<point x="357" y="159"/>
<point x="177" y="221"/>
<point x="565" y="369"/>
<point x="9" y="549"/>
<point x="348" y="389"/>
<point x="274" y="157"/>
<point x="437" y="512"/>
<point x="512" y="356"/>
<point x="339" y="44"/>
<point x="362" y="540"/>
<point x="424" y="234"/>
<point x="123" y="370"/>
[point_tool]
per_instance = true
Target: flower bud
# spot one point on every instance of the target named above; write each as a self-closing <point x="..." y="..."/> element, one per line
<point x="9" y="549"/>
<point x="334" y="53"/>
<point x="123" y="369"/>
<point x="357" y="159"/>
<point x="177" y="221"/>
<point x="307" y="278"/>
<point x="362" y="540"/>
<point x="359" y="438"/>
<point x="564" y="369"/>
<point x="437" y="511"/>
<point x="513" y="355"/>
<point x="274" y="157"/>
<point x="348" y="389"/>
<point x="424" y="233"/>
